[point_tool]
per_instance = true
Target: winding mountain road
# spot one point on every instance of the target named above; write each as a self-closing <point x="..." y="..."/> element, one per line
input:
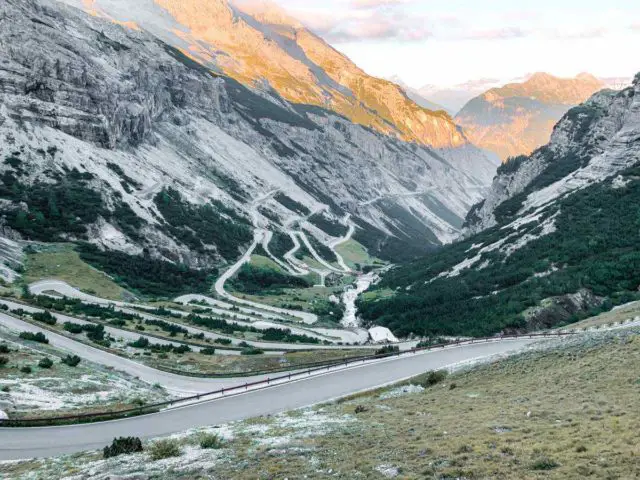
<point x="50" y="441"/>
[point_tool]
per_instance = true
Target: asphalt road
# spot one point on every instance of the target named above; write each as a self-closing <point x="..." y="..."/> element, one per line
<point x="51" y="441"/>
<point x="177" y="384"/>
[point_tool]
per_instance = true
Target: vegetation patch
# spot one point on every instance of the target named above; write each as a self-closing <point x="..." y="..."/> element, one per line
<point x="594" y="249"/>
<point x="62" y="262"/>
<point x="147" y="275"/>
<point x="254" y="279"/>
<point x="328" y="225"/>
<point x="200" y="225"/>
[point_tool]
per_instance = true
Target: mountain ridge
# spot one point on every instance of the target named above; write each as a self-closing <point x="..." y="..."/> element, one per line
<point x="96" y="109"/>
<point x="554" y="241"/>
<point x="517" y="118"/>
<point x="293" y="61"/>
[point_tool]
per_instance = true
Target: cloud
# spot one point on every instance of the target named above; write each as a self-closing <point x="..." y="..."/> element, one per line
<point x="375" y="3"/>
<point x="496" y="34"/>
<point x="588" y="33"/>
<point x="356" y="26"/>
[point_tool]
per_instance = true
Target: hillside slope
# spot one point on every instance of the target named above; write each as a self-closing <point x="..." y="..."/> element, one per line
<point x="258" y="44"/>
<point x="519" y="117"/>
<point x="113" y="136"/>
<point x="556" y="238"/>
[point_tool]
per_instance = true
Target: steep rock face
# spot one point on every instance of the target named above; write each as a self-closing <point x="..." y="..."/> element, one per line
<point x="555" y="241"/>
<point x="259" y="45"/>
<point x="519" y="117"/>
<point x="94" y="106"/>
<point x="590" y="143"/>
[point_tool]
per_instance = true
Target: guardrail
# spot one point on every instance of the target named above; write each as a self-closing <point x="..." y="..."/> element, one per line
<point x="238" y="389"/>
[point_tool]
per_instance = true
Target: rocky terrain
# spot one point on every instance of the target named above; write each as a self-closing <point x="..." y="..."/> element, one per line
<point x="258" y="44"/>
<point x="519" y="117"/>
<point x="114" y="130"/>
<point x="553" y="241"/>
<point x="589" y="144"/>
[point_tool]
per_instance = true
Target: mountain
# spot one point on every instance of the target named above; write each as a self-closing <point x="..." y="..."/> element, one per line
<point x="454" y="97"/>
<point x="111" y="134"/>
<point x="417" y="97"/>
<point x="555" y="240"/>
<point x="519" y="117"/>
<point x="259" y="45"/>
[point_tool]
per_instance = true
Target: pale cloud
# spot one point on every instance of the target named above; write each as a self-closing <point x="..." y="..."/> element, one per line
<point x="355" y="26"/>
<point x="469" y="39"/>
<point x="376" y="3"/>
<point x="496" y="34"/>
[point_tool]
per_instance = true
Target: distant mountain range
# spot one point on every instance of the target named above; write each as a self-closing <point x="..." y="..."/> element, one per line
<point x="517" y="118"/>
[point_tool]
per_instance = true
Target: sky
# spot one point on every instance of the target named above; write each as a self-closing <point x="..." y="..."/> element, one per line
<point x="449" y="42"/>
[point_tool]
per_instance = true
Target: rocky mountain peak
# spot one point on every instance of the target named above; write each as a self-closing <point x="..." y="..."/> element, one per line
<point x="265" y="48"/>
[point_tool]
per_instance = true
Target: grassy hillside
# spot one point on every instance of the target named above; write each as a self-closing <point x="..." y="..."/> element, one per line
<point x="570" y="412"/>
<point x="62" y="262"/>
<point x="593" y="249"/>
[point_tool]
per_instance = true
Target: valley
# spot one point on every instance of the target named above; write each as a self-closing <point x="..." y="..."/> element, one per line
<point x="228" y="251"/>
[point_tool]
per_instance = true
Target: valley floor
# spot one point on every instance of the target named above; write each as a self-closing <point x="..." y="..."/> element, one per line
<point x="560" y="410"/>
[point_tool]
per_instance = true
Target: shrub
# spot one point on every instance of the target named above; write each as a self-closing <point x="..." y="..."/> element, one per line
<point x="208" y="351"/>
<point x="164" y="449"/>
<point x="388" y="349"/>
<point x="142" y="342"/>
<point x="360" y="409"/>
<point x="4" y="348"/>
<point x="71" y="360"/>
<point x="45" y="363"/>
<point x="222" y="341"/>
<point x="544" y="463"/>
<point x="122" y="446"/>
<point x="34" y="337"/>
<point x="433" y="377"/>
<point x="26" y="369"/>
<point x="251" y="351"/>
<point x="3" y="361"/>
<point x="210" y="441"/>
<point x="44" y="317"/>
<point x="73" y="328"/>
<point x="6" y="389"/>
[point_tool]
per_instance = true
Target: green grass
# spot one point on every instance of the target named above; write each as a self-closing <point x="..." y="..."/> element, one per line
<point x="354" y="253"/>
<point x="62" y="262"/>
<point x="266" y="262"/>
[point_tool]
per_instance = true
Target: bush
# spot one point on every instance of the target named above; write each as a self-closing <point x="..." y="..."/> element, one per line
<point x="6" y="389"/>
<point x="4" y="348"/>
<point x="544" y="463"/>
<point x="208" y="351"/>
<point x="433" y="377"/>
<point x="45" y="363"/>
<point x="26" y="369"/>
<point x="222" y="341"/>
<point x="164" y="449"/>
<point x="34" y="337"/>
<point x="210" y="441"/>
<point x="122" y="446"/>
<point x="387" y="350"/>
<point x="251" y="351"/>
<point x="73" y="328"/>
<point x="44" y="317"/>
<point x="71" y="360"/>
<point x="360" y="409"/>
<point x="142" y="342"/>
<point x="3" y="361"/>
